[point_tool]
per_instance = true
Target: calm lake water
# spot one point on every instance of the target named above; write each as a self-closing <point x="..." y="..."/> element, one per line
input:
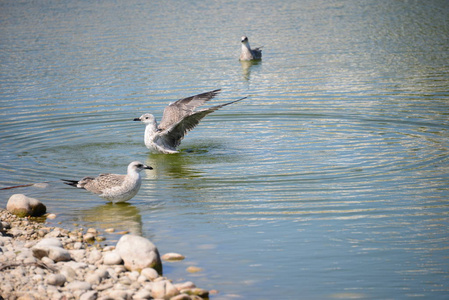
<point x="330" y="181"/>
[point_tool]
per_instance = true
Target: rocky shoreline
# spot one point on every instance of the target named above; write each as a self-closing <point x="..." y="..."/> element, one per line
<point x="38" y="261"/>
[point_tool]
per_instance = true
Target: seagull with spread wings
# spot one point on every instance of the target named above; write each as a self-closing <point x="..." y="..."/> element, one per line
<point x="179" y="117"/>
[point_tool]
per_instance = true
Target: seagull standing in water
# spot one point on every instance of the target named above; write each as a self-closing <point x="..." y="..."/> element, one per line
<point x="113" y="187"/>
<point x="179" y="117"/>
<point x="248" y="53"/>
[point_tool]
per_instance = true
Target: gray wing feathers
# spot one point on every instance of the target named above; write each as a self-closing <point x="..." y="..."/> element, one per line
<point x="102" y="182"/>
<point x="176" y="111"/>
<point x="173" y="135"/>
<point x="257" y="53"/>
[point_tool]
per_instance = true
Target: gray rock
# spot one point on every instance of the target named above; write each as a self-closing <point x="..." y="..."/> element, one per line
<point x="112" y="258"/>
<point x="22" y="206"/>
<point x="56" y="279"/>
<point x="138" y="253"/>
<point x="59" y="254"/>
<point x="51" y="248"/>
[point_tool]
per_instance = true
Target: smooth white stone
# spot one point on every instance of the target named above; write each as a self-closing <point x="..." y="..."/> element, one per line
<point x="138" y="253"/>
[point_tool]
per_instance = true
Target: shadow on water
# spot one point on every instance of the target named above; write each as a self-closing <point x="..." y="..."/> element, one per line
<point x="246" y="67"/>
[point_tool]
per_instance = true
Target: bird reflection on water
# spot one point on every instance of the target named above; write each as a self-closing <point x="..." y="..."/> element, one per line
<point x="119" y="216"/>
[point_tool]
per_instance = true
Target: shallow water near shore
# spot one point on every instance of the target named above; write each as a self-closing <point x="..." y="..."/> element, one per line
<point x="330" y="181"/>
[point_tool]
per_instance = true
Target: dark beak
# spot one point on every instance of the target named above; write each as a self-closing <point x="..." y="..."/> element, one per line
<point x="136" y="119"/>
<point x="147" y="167"/>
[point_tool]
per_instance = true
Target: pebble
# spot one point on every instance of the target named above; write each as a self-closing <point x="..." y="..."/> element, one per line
<point x="79" y="285"/>
<point x="68" y="272"/>
<point x="83" y="273"/>
<point x="112" y="258"/>
<point x="48" y="261"/>
<point x="92" y="230"/>
<point x="123" y="232"/>
<point x="138" y="253"/>
<point x="95" y="256"/>
<point x="142" y="294"/>
<point x="198" y="292"/>
<point x="149" y="273"/>
<point x="181" y="297"/>
<point x="78" y="255"/>
<point x="102" y="273"/>
<point x="89" y="237"/>
<point x="56" y="279"/>
<point x="59" y="254"/>
<point x="193" y="269"/>
<point x="93" y="279"/>
<point x="29" y="260"/>
<point x="77" y="246"/>
<point x="163" y="289"/>
<point x="90" y="295"/>
<point x="51" y="216"/>
<point x="173" y="257"/>
<point x="41" y="185"/>
<point x="185" y="285"/>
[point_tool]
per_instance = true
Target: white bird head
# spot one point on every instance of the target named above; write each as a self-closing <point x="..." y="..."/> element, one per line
<point x="146" y="119"/>
<point x="137" y="166"/>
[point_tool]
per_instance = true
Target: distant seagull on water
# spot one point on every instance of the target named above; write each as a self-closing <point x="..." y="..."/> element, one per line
<point x="248" y="53"/>
<point x="179" y="117"/>
<point x="113" y="187"/>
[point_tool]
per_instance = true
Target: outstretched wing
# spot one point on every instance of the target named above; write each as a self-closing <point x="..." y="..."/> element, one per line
<point x="178" y="110"/>
<point x="173" y="135"/>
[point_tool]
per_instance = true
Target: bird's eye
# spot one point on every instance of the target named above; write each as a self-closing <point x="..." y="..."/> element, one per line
<point x="146" y="118"/>
<point x="139" y="165"/>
